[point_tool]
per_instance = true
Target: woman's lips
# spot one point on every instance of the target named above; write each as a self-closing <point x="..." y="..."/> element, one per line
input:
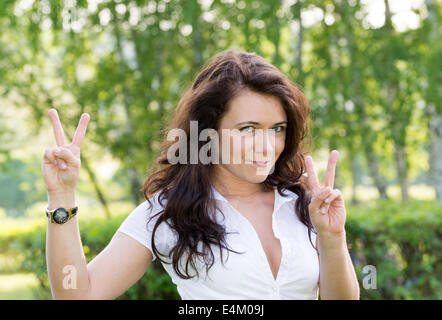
<point x="261" y="164"/>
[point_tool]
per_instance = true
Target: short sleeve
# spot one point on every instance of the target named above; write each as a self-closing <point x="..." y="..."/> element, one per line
<point x="136" y="224"/>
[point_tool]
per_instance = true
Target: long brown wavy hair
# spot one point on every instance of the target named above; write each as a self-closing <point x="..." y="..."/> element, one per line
<point x="190" y="207"/>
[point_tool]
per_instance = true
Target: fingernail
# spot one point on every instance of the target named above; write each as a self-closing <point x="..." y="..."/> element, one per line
<point x="57" y="150"/>
<point x="327" y="200"/>
<point x="63" y="166"/>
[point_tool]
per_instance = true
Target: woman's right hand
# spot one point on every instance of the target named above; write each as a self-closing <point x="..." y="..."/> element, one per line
<point x="61" y="165"/>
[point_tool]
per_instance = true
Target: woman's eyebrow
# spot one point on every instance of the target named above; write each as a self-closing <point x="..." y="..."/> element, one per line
<point x="257" y="123"/>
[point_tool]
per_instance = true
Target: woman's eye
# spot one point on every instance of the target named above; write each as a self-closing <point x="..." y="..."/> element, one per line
<point x="248" y="129"/>
<point x="279" y="128"/>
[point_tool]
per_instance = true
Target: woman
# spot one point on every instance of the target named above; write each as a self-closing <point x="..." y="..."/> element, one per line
<point x="227" y="220"/>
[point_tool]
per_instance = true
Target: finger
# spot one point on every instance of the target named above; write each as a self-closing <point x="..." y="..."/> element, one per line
<point x="318" y="199"/>
<point x="67" y="155"/>
<point x="335" y="195"/>
<point x="56" y="125"/>
<point x="49" y="156"/>
<point x="312" y="176"/>
<point x="331" y="169"/>
<point x="81" y="129"/>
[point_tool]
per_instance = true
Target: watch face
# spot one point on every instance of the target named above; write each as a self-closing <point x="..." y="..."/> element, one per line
<point x="61" y="215"/>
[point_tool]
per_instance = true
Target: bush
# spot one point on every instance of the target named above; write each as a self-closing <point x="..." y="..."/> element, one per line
<point x="402" y="240"/>
<point x="95" y="235"/>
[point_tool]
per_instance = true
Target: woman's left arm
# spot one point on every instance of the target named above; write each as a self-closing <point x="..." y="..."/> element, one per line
<point x="327" y="212"/>
<point x="338" y="279"/>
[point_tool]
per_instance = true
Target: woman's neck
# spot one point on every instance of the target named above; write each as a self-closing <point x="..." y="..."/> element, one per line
<point x="230" y="186"/>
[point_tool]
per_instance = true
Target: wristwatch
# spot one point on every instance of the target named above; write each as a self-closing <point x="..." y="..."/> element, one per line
<point x="61" y="215"/>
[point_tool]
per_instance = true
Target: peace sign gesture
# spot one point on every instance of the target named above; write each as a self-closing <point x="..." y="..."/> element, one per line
<point x="61" y="165"/>
<point x="327" y="209"/>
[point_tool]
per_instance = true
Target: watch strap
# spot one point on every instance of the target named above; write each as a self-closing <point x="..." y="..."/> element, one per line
<point x="71" y="212"/>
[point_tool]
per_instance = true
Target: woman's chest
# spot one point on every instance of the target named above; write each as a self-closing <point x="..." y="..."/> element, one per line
<point x="245" y="270"/>
<point x="298" y="260"/>
<point x="257" y="223"/>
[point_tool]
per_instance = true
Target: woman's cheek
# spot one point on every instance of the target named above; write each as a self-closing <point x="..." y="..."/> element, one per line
<point x="247" y="149"/>
<point x="241" y="148"/>
<point x="280" y="144"/>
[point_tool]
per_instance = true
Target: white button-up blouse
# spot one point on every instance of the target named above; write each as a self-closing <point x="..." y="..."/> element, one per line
<point x="246" y="275"/>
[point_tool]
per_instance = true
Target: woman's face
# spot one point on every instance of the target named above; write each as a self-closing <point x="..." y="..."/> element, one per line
<point x="254" y="129"/>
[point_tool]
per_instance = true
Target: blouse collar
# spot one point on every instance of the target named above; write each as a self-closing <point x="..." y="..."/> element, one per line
<point x="279" y="199"/>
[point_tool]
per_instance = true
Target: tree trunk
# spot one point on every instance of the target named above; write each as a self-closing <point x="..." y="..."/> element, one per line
<point x="135" y="186"/>
<point x="297" y="13"/>
<point x="435" y="132"/>
<point x="399" y="148"/>
<point x="197" y="36"/>
<point x="97" y="188"/>
<point x="373" y="167"/>
<point x="93" y="178"/>
<point x="134" y="181"/>
<point x="352" y="160"/>
<point x="401" y="167"/>
<point x="372" y="159"/>
<point x="434" y="118"/>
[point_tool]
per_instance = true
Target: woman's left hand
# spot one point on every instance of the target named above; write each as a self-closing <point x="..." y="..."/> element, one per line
<point x="327" y="209"/>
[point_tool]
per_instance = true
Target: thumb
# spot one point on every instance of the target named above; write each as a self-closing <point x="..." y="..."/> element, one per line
<point x="67" y="155"/>
<point x="318" y="197"/>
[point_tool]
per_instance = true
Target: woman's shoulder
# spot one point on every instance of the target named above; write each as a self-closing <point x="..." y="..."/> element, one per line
<point x="155" y="201"/>
<point x="139" y="223"/>
<point x="149" y="208"/>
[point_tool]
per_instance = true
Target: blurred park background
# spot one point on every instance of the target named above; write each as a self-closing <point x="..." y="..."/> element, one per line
<point x="371" y="70"/>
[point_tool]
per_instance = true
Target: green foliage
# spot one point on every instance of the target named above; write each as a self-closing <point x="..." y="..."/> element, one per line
<point x="19" y="185"/>
<point x="373" y="92"/>
<point x="402" y="240"/>
<point x="29" y="251"/>
<point x="127" y="63"/>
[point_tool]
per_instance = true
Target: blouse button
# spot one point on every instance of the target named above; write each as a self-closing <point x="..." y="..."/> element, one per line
<point x="275" y="291"/>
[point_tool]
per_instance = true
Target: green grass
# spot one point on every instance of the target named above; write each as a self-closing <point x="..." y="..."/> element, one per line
<point x="15" y="284"/>
<point x="370" y="193"/>
<point x="18" y="286"/>
<point x="35" y="216"/>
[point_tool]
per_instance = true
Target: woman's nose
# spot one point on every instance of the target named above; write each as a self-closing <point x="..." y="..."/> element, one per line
<point x="264" y="143"/>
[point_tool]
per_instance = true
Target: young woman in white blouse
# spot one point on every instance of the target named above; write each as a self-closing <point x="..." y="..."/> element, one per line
<point x="253" y="229"/>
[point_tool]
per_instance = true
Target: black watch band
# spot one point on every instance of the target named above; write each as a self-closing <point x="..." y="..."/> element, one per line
<point x="61" y="215"/>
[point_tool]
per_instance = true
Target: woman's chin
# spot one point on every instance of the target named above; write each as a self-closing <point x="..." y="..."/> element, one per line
<point x="258" y="175"/>
<point x="250" y="173"/>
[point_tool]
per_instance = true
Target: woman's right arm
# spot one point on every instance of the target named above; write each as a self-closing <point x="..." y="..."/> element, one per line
<point x="113" y="270"/>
